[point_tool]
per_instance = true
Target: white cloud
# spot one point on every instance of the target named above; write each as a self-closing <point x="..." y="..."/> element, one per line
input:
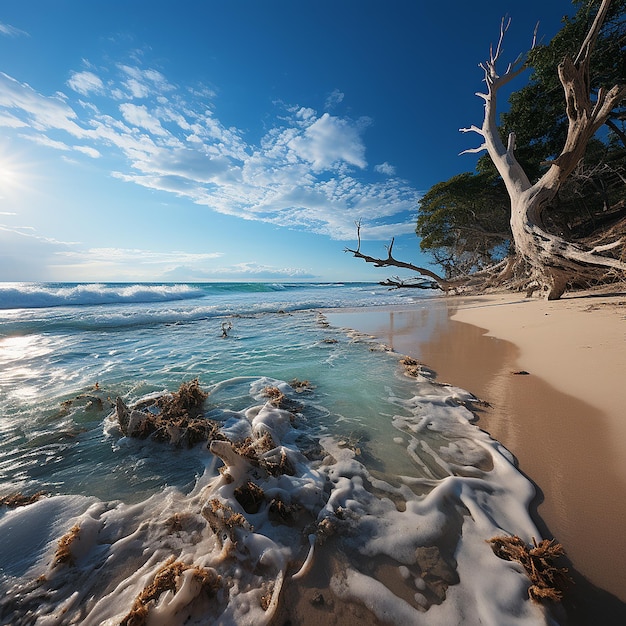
<point x="11" y="121"/>
<point x="385" y="168"/>
<point x="142" y="83"/>
<point x="139" y="116"/>
<point x="328" y="141"/>
<point x="11" y="31"/>
<point x="305" y="113"/>
<point x="91" y="152"/>
<point x="85" y="83"/>
<point x="190" y="164"/>
<point x="39" y="112"/>
<point x="240" y="271"/>
<point x="334" y="98"/>
<point x="131" y="256"/>
<point x="26" y="256"/>
<point x="306" y="172"/>
<point x="42" y="140"/>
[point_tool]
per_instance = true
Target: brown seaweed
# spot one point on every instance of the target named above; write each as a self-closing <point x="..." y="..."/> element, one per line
<point x="223" y="520"/>
<point x="250" y="496"/>
<point x="63" y="553"/>
<point x="19" y="499"/>
<point x="301" y="386"/>
<point x="176" y="418"/>
<point x="166" y="579"/>
<point x="278" y="399"/>
<point x="548" y="579"/>
<point x="411" y="366"/>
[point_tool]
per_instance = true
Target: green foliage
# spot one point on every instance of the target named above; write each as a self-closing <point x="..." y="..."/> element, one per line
<point x="464" y="222"/>
<point x="537" y="112"/>
<point x="538" y="118"/>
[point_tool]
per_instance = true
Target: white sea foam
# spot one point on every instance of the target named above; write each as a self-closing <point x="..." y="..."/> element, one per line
<point x="429" y="532"/>
<point x="40" y="295"/>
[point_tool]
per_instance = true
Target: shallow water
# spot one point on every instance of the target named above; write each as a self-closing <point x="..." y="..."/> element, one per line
<point x="386" y="468"/>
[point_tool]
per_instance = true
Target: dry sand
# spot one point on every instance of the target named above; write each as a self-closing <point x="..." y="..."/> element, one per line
<point x="565" y="421"/>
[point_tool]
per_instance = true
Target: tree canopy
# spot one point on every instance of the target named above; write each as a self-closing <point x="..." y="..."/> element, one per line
<point x="548" y="209"/>
<point x="464" y="222"/>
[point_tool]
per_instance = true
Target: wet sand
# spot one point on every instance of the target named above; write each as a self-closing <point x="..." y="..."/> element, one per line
<point x="564" y="421"/>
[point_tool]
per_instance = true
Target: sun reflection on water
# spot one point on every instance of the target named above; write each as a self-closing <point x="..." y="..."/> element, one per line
<point x="21" y="365"/>
<point x="23" y="347"/>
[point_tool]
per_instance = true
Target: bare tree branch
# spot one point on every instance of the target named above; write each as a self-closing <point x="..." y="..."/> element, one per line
<point x="444" y="284"/>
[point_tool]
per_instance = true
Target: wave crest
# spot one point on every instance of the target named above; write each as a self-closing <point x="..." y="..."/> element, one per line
<point x="37" y="295"/>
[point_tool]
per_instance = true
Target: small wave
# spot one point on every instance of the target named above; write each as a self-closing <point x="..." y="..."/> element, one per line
<point x="38" y="295"/>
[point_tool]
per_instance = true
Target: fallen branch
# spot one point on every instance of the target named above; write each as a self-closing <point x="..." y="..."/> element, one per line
<point x="444" y="284"/>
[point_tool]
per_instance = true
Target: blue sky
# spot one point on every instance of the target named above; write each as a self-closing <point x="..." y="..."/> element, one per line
<point x="198" y="140"/>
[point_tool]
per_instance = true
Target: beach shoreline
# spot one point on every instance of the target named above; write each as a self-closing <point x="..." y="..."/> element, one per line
<point x="562" y="419"/>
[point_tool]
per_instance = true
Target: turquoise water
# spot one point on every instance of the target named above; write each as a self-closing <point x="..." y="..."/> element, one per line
<point x="380" y="438"/>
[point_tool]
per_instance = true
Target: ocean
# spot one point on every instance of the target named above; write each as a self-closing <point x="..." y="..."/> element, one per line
<point x="336" y="487"/>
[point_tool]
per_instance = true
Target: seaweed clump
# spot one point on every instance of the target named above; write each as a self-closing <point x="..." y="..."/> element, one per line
<point x="176" y="418"/>
<point x="188" y="400"/>
<point x="167" y="578"/>
<point x="264" y="453"/>
<point x="548" y="580"/>
<point x="411" y="366"/>
<point x="300" y="386"/>
<point x="275" y="395"/>
<point x="278" y="399"/>
<point x="250" y="496"/>
<point x="19" y="499"/>
<point x="223" y="520"/>
<point x="63" y="553"/>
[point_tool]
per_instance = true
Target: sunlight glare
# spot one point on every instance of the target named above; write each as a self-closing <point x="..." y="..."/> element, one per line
<point x="14" y="175"/>
<point x="22" y="348"/>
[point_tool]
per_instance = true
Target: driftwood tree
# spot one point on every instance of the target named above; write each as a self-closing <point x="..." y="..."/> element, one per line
<point x="550" y="261"/>
<point x="546" y="261"/>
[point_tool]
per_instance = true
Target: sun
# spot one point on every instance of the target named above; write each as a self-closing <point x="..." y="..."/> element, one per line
<point x="9" y="176"/>
<point x="14" y="174"/>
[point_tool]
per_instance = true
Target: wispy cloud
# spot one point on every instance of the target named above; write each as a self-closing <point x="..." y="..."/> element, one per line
<point x="44" y="140"/>
<point x="11" y="31"/>
<point x="241" y="271"/>
<point x="40" y="113"/>
<point x="385" y="168"/>
<point x="91" y="152"/>
<point x="24" y="255"/>
<point x="85" y="83"/>
<point x="335" y="98"/>
<point x="327" y="142"/>
<point x="126" y="256"/>
<point x="309" y="171"/>
<point x="7" y="120"/>
<point x="142" y="83"/>
<point x="138" y="115"/>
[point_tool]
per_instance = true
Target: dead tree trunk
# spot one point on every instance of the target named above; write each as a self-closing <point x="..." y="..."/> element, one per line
<point x="552" y="262"/>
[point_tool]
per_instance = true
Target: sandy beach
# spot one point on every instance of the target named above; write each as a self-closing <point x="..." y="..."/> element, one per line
<point x="553" y="376"/>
